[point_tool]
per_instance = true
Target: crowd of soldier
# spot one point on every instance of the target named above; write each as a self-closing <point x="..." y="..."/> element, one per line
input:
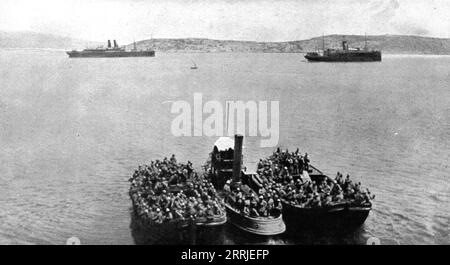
<point x="165" y="190"/>
<point x="285" y="171"/>
<point x="264" y="204"/>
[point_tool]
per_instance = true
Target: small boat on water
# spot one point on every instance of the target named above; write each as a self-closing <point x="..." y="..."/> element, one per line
<point x="226" y="165"/>
<point x="177" y="231"/>
<point x="343" y="213"/>
<point x="174" y="213"/>
<point x="194" y="66"/>
<point x="213" y="220"/>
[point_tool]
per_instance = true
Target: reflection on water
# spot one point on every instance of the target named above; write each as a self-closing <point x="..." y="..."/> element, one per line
<point x="73" y="131"/>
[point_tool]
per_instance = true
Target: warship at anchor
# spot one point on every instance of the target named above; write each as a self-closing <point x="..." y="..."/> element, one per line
<point x="346" y="54"/>
<point x="111" y="52"/>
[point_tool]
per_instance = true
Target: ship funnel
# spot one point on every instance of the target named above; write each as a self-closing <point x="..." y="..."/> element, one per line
<point x="237" y="158"/>
<point x="115" y="44"/>
<point x="109" y="43"/>
<point x="344" y="45"/>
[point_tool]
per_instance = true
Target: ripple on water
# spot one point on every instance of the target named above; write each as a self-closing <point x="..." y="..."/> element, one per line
<point x="64" y="172"/>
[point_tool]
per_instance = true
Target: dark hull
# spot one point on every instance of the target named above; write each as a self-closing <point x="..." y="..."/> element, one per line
<point x="335" y="217"/>
<point x="201" y="230"/>
<point x="111" y="54"/>
<point x="346" y="57"/>
<point x="340" y="216"/>
<point x="356" y="216"/>
<point x="259" y="226"/>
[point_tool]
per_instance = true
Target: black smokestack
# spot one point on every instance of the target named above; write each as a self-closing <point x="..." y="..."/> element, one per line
<point x="109" y="43"/>
<point x="115" y="44"/>
<point x="237" y="158"/>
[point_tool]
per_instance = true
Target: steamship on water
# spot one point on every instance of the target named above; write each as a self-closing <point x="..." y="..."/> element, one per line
<point x="345" y="55"/>
<point x="111" y="52"/>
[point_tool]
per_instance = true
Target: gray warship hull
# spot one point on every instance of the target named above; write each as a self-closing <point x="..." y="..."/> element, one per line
<point x="110" y="54"/>
<point x="345" y="57"/>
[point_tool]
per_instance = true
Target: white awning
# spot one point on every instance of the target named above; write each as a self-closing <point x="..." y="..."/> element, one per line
<point x="224" y="143"/>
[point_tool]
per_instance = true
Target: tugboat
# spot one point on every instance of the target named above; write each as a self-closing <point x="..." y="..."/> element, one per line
<point x="111" y="52"/>
<point x="226" y="173"/>
<point x="345" y="55"/>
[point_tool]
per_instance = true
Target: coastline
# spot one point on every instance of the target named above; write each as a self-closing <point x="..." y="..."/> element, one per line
<point x="385" y="55"/>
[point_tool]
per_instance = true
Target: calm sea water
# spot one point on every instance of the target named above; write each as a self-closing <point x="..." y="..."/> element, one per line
<point x="73" y="131"/>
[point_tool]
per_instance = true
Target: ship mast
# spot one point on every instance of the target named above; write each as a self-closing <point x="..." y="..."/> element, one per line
<point x="365" y="41"/>
<point x="323" y="42"/>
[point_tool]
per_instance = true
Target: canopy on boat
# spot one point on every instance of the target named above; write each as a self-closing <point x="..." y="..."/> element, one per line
<point x="224" y="143"/>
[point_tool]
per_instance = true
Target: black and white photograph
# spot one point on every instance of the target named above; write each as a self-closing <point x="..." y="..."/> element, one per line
<point x="224" y="123"/>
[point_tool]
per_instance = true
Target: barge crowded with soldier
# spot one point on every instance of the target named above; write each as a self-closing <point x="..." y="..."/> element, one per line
<point x="284" y="195"/>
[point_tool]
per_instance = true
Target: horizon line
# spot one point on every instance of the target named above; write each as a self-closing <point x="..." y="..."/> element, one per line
<point x="235" y="40"/>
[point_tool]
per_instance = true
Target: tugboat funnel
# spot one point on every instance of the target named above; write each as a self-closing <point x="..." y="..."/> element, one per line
<point x="237" y="158"/>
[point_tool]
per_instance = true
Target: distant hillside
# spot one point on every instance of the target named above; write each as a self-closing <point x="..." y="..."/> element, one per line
<point x="40" y="41"/>
<point x="208" y="45"/>
<point x="389" y="44"/>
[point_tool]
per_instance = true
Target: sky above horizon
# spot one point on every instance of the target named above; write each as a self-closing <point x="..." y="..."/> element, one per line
<point x="259" y="20"/>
